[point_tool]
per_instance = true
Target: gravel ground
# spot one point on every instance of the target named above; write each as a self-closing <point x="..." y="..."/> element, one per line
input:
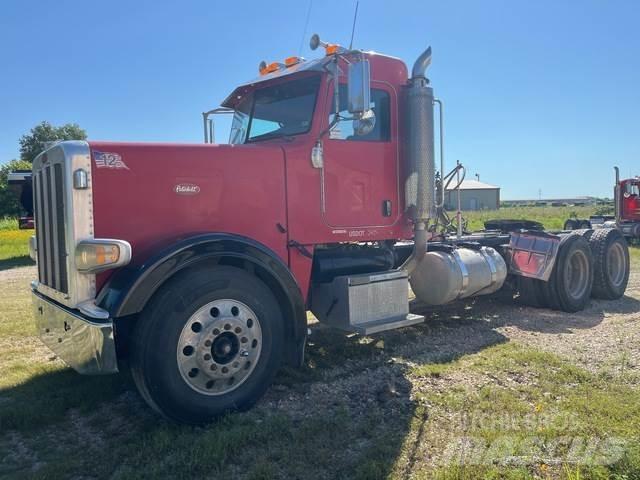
<point x="605" y="338"/>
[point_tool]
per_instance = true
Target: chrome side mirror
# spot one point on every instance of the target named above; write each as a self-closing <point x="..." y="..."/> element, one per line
<point x="359" y="87"/>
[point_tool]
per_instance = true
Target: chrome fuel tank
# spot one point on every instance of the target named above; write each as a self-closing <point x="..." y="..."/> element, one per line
<point x="444" y="276"/>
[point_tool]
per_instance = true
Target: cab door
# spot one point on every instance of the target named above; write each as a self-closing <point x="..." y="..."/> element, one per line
<point x="361" y="187"/>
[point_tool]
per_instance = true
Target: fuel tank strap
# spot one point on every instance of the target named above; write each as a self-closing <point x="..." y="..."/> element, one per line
<point x="463" y="270"/>
<point x="491" y="263"/>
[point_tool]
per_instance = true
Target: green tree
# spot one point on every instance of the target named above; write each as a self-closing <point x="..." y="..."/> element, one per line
<point x="35" y="141"/>
<point x="31" y="144"/>
<point x="9" y="201"/>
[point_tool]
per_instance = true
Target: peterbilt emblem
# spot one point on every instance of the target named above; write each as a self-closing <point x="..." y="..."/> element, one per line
<point x="186" y="189"/>
<point x="109" y="160"/>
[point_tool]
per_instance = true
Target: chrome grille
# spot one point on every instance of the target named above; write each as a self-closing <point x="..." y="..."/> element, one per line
<point x="49" y="208"/>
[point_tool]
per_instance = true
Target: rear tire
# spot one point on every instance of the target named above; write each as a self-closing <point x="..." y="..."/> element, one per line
<point x="571" y="224"/>
<point x="529" y="290"/>
<point x="584" y="224"/>
<point x="209" y="341"/>
<point x="571" y="281"/>
<point x="611" y="263"/>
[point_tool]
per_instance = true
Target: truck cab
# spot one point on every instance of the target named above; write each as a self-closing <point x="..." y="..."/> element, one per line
<point x="630" y="201"/>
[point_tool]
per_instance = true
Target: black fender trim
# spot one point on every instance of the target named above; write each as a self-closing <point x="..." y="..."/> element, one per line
<point x="129" y="289"/>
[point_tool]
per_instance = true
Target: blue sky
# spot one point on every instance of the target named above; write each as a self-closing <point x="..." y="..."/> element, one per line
<point x="539" y="95"/>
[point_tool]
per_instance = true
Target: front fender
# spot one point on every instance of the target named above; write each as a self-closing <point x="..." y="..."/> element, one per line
<point x="129" y="289"/>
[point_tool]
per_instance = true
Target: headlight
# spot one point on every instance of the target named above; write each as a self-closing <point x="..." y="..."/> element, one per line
<point x="102" y="254"/>
<point x="33" y="248"/>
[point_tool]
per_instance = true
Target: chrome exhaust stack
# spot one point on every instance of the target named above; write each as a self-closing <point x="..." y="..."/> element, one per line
<point x="617" y="196"/>
<point x="420" y="181"/>
<point x="453" y="272"/>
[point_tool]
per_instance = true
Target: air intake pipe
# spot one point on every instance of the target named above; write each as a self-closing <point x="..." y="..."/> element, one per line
<point x="420" y="181"/>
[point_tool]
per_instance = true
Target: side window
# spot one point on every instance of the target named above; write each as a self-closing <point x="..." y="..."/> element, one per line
<point x="380" y="104"/>
<point x="632" y="189"/>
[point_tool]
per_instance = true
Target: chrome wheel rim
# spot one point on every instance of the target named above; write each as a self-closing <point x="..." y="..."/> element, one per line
<point x="616" y="264"/>
<point x="577" y="274"/>
<point x="219" y="347"/>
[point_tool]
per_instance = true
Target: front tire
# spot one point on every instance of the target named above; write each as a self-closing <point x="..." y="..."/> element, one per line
<point x="209" y="341"/>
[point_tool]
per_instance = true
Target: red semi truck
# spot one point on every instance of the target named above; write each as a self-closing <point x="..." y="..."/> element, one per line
<point x="626" y="199"/>
<point x="323" y="200"/>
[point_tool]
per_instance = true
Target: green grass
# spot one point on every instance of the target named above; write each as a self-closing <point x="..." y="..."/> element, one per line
<point x="552" y="218"/>
<point x="14" y="247"/>
<point x="8" y="223"/>
<point x="559" y="410"/>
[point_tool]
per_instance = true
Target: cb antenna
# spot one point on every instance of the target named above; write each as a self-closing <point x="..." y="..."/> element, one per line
<point x="306" y="24"/>
<point x="353" y="28"/>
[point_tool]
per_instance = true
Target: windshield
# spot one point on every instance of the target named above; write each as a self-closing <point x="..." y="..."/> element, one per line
<point x="279" y="110"/>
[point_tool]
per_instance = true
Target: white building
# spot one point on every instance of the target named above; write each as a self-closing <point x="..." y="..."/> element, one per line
<point x="474" y="195"/>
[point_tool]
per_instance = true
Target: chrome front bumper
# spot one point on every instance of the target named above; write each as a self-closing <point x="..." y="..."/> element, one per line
<point x="85" y="345"/>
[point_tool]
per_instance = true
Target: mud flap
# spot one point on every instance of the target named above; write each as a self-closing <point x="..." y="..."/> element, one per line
<point x="532" y="254"/>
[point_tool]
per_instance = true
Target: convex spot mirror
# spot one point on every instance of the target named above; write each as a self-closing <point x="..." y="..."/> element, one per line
<point x="365" y="124"/>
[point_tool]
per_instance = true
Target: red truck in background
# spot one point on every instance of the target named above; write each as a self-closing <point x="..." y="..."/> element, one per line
<point x="325" y="199"/>
<point x="626" y="199"/>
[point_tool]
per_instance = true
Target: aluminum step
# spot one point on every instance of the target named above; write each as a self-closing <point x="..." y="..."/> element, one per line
<point x="378" y="326"/>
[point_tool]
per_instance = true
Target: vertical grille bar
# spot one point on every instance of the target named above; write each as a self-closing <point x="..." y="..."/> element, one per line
<point x="61" y="243"/>
<point x="44" y="228"/>
<point x="49" y="245"/>
<point x="55" y="248"/>
<point x="38" y="211"/>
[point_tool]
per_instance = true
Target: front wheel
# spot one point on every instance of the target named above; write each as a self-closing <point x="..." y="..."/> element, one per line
<point x="210" y="341"/>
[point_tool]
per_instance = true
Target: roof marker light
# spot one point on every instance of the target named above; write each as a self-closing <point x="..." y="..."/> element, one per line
<point x="272" y="67"/>
<point x="332" y="49"/>
<point x="291" y="61"/>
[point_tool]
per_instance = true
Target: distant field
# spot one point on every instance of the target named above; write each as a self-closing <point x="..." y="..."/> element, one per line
<point x="552" y="218"/>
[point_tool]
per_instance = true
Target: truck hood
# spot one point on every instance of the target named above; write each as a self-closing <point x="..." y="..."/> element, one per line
<point x="152" y="195"/>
